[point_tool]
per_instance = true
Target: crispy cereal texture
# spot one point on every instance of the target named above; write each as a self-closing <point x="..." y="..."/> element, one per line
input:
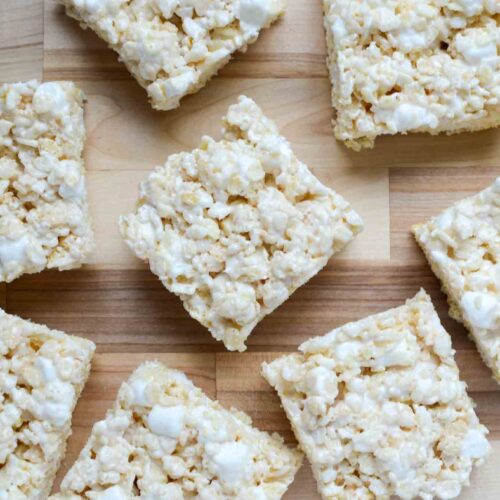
<point x="173" y="47"/>
<point x="44" y="217"/>
<point x="400" y="66"/>
<point x="235" y="227"/>
<point x="42" y="374"/>
<point x="462" y="246"/>
<point x="165" y="439"/>
<point x="379" y="409"/>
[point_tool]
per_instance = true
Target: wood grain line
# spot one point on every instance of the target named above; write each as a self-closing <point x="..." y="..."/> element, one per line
<point x="21" y="40"/>
<point x="103" y="65"/>
<point x="17" y="47"/>
<point x="122" y="310"/>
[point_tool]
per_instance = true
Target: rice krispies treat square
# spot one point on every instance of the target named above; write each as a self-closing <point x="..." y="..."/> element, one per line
<point x="164" y="438"/>
<point x="462" y="246"/>
<point x="44" y="216"/>
<point x="400" y="66"/>
<point x="235" y="227"/>
<point x="42" y="374"/>
<point x="379" y="409"/>
<point x="173" y="47"/>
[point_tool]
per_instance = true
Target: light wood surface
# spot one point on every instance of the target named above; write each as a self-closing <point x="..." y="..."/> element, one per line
<point x="118" y="304"/>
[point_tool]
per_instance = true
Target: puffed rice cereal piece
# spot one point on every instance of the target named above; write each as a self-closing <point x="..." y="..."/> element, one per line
<point x="462" y="246"/>
<point x="164" y="438"/>
<point x="400" y="66"/>
<point x="42" y="374"/>
<point x="235" y="227"/>
<point x="44" y="216"/>
<point x="379" y="409"/>
<point x="173" y="47"/>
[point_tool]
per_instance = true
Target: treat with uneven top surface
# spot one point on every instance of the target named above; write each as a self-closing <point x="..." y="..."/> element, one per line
<point x="44" y="216"/>
<point x="400" y="66"/>
<point x="236" y="226"/>
<point x="173" y="47"/>
<point x="379" y="409"/>
<point x="462" y="246"/>
<point x="42" y="374"/>
<point x="164" y="438"/>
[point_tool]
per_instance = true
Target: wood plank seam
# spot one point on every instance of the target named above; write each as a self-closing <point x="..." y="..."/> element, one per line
<point x="43" y="39"/>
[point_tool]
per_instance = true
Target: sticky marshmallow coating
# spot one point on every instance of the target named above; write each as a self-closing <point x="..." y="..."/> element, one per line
<point x="164" y="438"/>
<point x="42" y="374"/>
<point x="44" y="215"/>
<point x="379" y="409"/>
<point x="235" y="227"/>
<point x="400" y="66"/>
<point x="462" y="245"/>
<point x="173" y="47"/>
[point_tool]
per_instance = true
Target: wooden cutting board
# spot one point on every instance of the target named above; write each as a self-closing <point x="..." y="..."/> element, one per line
<point x="120" y="305"/>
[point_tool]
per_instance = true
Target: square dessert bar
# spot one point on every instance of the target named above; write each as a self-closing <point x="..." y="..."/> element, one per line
<point x="44" y="216"/>
<point x="235" y="227"/>
<point x="379" y="409"/>
<point x="462" y="246"/>
<point x="402" y="66"/>
<point x="164" y="438"/>
<point x="42" y="374"/>
<point x="173" y="47"/>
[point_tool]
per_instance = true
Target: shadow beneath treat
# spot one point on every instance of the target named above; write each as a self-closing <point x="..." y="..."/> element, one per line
<point x="424" y="150"/>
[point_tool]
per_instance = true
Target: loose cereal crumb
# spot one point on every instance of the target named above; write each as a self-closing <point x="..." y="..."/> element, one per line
<point x="235" y="227"/>
<point x="462" y="246"/>
<point x="173" y="47"/>
<point x="165" y="438"/>
<point x="379" y="409"/>
<point x="42" y="374"/>
<point x="400" y="66"/>
<point x="44" y="218"/>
